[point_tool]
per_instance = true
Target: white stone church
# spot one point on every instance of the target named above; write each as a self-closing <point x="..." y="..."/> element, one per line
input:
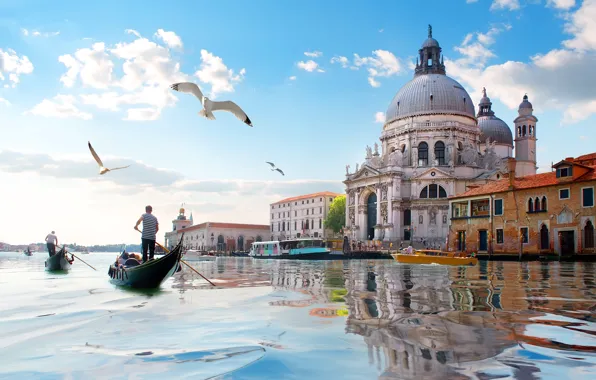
<point x="433" y="145"/>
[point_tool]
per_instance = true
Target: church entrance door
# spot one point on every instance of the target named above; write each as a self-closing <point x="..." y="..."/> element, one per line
<point x="371" y="218"/>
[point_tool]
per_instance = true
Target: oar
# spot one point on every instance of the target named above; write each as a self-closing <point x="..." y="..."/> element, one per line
<point x="187" y="264"/>
<point x="72" y="254"/>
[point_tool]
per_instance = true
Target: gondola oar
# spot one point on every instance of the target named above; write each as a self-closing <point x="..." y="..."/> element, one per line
<point x="187" y="264"/>
<point x="72" y="254"/>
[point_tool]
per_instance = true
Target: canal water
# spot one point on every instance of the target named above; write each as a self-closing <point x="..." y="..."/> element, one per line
<point x="270" y="319"/>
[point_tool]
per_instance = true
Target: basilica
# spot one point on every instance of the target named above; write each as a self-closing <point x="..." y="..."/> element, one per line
<point x="433" y="145"/>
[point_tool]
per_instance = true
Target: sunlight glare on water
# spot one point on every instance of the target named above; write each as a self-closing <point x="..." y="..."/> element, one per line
<point x="271" y="319"/>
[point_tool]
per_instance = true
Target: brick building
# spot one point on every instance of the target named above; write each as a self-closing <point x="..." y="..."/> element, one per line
<point x="548" y="213"/>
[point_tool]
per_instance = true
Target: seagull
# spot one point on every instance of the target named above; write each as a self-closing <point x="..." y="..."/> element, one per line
<point x="102" y="169"/>
<point x="208" y="105"/>
<point x="273" y="168"/>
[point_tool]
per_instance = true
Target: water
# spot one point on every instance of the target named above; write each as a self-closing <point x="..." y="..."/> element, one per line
<point x="300" y="320"/>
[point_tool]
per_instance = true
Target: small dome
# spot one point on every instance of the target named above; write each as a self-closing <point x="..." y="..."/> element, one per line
<point x="496" y="129"/>
<point x="525" y="103"/>
<point x="430" y="94"/>
<point x="430" y="42"/>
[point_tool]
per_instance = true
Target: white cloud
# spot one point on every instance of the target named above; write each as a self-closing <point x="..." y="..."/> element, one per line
<point x="554" y="80"/>
<point x="309" y="65"/>
<point x="380" y="117"/>
<point x="471" y="1"/>
<point x="61" y="106"/>
<point x="13" y="65"/>
<point x="213" y="71"/>
<point x="93" y="66"/>
<point x="5" y="102"/>
<point x="561" y="4"/>
<point x="511" y="5"/>
<point x="293" y="77"/>
<point x="313" y="54"/>
<point x="381" y="30"/>
<point x="36" y="33"/>
<point x="382" y="64"/>
<point x="170" y="38"/>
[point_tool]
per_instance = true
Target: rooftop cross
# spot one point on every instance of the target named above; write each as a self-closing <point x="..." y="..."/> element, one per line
<point x="430" y="31"/>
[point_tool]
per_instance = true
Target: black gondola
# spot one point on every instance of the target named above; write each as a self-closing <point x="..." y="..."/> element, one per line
<point x="149" y="274"/>
<point x="59" y="261"/>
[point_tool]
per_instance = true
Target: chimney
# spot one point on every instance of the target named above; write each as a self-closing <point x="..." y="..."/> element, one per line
<point x="511" y="168"/>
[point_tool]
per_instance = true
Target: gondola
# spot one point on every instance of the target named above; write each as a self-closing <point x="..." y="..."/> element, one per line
<point x="59" y="261"/>
<point x="149" y="274"/>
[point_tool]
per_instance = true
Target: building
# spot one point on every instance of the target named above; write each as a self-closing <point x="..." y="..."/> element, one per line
<point x="433" y="145"/>
<point x="535" y="214"/>
<point x="223" y="237"/>
<point x="301" y="216"/>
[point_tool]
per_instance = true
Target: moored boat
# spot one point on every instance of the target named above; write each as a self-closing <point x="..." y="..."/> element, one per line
<point x="149" y="274"/>
<point x="196" y="255"/>
<point x="28" y="252"/>
<point x="59" y="261"/>
<point x="435" y="257"/>
<point x="293" y="249"/>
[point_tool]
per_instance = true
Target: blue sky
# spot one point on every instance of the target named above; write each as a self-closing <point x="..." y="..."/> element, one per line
<point x="310" y="123"/>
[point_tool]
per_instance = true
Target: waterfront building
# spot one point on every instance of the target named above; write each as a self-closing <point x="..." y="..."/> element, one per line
<point x="301" y="216"/>
<point x="222" y="237"/>
<point x="433" y="145"/>
<point x="535" y="214"/>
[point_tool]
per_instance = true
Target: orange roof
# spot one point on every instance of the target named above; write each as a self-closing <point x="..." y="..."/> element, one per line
<point x="227" y="225"/>
<point x="521" y="183"/>
<point x="308" y="196"/>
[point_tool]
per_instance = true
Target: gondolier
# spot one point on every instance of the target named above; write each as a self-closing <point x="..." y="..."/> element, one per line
<point x="149" y="233"/>
<point x="52" y="241"/>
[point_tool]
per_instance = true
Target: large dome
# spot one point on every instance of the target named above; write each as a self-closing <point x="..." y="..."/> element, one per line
<point x="430" y="94"/>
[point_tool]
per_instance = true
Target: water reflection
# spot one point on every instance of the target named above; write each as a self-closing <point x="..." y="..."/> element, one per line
<point x="490" y="321"/>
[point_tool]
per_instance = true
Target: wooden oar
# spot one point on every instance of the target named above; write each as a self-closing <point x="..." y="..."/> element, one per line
<point x="72" y="254"/>
<point x="187" y="264"/>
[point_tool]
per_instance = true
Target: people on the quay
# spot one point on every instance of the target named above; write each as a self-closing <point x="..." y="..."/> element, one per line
<point x="52" y="242"/>
<point x="149" y="233"/>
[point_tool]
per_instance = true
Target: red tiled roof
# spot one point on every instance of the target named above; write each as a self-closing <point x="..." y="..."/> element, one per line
<point x="527" y="182"/>
<point x="226" y="225"/>
<point x="308" y="196"/>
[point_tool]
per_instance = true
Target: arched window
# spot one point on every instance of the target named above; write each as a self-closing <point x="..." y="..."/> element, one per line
<point x="589" y="235"/>
<point x="543" y="206"/>
<point x="519" y="131"/>
<point x="530" y="205"/>
<point x="440" y="152"/>
<point x="460" y="148"/>
<point x="537" y="205"/>
<point x="422" y="154"/>
<point x="433" y="191"/>
<point x="523" y="130"/>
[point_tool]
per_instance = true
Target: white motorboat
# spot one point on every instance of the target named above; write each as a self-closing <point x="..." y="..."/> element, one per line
<point x="196" y="255"/>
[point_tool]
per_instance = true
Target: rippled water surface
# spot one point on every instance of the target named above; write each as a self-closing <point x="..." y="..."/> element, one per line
<point x="272" y="319"/>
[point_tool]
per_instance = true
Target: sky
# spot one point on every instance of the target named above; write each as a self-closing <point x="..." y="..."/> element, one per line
<point x="314" y="77"/>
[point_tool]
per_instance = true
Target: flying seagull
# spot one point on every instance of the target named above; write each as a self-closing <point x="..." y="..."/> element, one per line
<point x="273" y="168"/>
<point x="102" y="169"/>
<point x="208" y="105"/>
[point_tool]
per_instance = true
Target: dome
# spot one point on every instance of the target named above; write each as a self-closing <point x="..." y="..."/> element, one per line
<point x="430" y="42"/>
<point x="525" y="103"/>
<point x="496" y="129"/>
<point x="430" y="94"/>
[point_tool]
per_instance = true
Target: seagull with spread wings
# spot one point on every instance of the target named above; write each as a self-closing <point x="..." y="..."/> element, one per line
<point x="102" y="169"/>
<point x="273" y="168"/>
<point x="210" y="106"/>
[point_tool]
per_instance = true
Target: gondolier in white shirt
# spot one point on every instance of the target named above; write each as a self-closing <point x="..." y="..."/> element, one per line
<point x="149" y="233"/>
<point x="52" y="241"/>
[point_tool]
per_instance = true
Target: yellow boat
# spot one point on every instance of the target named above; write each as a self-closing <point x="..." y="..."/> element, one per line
<point x="435" y="257"/>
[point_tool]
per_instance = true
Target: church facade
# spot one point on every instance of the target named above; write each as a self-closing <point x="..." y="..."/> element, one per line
<point x="433" y="145"/>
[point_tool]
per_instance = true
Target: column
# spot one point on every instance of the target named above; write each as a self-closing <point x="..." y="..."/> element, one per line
<point x="389" y="230"/>
<point x="347" y="210"/>
<point x="379" y="218"/>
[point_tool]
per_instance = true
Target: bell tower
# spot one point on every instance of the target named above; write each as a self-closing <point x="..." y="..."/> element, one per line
<point x="525" y="139"/>
<point x="181" y="222"/>
<point x="430" y="60"/>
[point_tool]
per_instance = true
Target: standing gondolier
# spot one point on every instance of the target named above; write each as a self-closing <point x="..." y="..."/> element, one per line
<point x="52" y="242"/>
<point x="150" y="228"/>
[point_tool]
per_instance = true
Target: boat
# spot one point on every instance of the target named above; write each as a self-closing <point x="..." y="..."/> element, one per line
<point x="149" y="274"/>
<point x="292" y="249"/>
<point x="58" y="261"/>
<point x="239" y="254"/>
<point x="196" y="255"/>
<point x="28" y="252"/>
<point x="430" y="256"/>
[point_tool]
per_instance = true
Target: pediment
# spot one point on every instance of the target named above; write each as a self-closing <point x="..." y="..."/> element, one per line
<point x="364" y="172"/>
<point x="433" y="173"/>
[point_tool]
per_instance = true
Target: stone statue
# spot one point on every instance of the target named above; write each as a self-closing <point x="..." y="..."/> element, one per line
<point x="368" y="152"/>
<point x="405" y="158"/>
<point x="483" y="92"/>
<point x="395" y="158"/>
<point x="352" y="217"/>
<point x="356" y="167"/>
<point x="469" y="154"/>
<point x="376" y="149"/>
<point x="347" y="169"/>
<point x="433" y="217"/>
<point x="352" y="198"/>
